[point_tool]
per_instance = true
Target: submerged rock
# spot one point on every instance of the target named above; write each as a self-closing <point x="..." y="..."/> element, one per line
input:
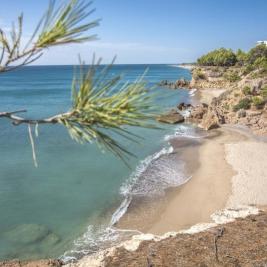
<point x="172" y="117"/>
<point x="27" y="233"/>
<point x="51" y="240"/>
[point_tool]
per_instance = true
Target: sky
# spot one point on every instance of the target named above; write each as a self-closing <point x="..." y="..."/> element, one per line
<point x="152" y="31"/>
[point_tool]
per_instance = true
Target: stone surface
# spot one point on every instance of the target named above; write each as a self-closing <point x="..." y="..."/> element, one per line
<point x="239" y="243"/>
<point x="210" y="121"/>
<point x="172" y="117"/>
<point x="183" y="106"/>
<point x="241" y="113"/>
<point x="181" y="83"/>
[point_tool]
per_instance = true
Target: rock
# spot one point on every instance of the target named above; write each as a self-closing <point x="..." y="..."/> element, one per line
<point x="241" y="113"/>
<point x="198" y="112"/>
<point x="210" y="121"/>
<point x="183" y="106"/>
<point x="27" y="233"/>
<point x="181" y="83"/>
<point x="172" y="117"/>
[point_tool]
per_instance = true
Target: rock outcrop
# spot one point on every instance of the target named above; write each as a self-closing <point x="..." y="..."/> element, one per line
<point x="181" y="83"/>
<point x="171" y="117"/>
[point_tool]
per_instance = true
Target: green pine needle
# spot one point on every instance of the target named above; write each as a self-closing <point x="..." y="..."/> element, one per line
<point x="63" y="25"/>
<point x="102" y="107"/>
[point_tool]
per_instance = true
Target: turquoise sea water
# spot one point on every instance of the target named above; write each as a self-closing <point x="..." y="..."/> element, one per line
<point x="67" y="202"/>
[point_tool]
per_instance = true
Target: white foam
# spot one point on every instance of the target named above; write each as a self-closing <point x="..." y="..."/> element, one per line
<point x="192" y="92"/>
<point x="219" y="217"/>
<point x="152" y="176"/>
<point x="184" y="131"/>
<point x="128" y="187"/>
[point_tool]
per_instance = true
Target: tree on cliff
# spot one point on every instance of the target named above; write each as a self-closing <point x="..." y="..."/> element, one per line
<point x="97" y="103"/>
<point x="218" y="57"/>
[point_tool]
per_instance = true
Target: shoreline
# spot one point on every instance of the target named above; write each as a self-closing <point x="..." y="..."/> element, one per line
<point x="206" y="192"/>
<point x="195" y="202"/>
<point x="217" y="183"/>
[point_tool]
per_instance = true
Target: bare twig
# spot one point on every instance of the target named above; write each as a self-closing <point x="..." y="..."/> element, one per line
<point x="217" y="236"/>
<point x="16" y="120"/>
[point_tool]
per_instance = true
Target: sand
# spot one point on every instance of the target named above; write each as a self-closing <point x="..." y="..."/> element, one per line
<point x="207" y="191"/>
<point x="249" y="185"/>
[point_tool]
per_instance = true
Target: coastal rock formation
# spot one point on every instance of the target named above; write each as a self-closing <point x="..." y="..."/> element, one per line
<point x="183" y="106"/>
<point x="172" y="117"/>
<point x="240" y="243"/>
<point x="181" y="83"/>
<point x="242" y="102"/>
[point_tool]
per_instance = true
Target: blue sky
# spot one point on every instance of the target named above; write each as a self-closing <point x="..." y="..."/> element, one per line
<point x="154" y="31"/>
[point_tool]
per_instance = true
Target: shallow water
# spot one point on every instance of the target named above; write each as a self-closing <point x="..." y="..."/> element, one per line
<point x="68" y="201"/>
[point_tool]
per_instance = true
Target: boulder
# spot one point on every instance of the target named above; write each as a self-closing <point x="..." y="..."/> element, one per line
<point x="184" y="106"/>
<point x="210" y="121"/>
<point x="198" y="112"/>
<point x="172" y="117"/>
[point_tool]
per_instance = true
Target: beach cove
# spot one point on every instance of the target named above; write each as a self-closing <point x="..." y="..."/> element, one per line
<point x="214" y="170"/>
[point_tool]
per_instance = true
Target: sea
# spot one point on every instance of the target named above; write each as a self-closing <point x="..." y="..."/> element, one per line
<point x="69" y="205"/>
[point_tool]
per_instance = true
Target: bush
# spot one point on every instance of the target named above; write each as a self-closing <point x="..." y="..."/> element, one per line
<point x="263" y="92"/>
<point x="256" y="58"/>
<point x="259" y="51"/>
<point x="232" y="77"/>
<point x="246" y="90"/>
<point x="258" y="101"/>
<point x="199" y="75"/>
<point x="261" y="62"/>
<point x="242" y="104"/>
<point x="218" y="57"/>
<point x="241" y="57"/>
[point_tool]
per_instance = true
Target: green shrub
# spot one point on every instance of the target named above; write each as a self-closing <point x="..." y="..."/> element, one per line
<point x="247" y="69"/>
<point x="259" y="51"/>
<point x="256" y="58"/>
<point x="246" y="90"/>
<point x="226" y="106"/>
<point x="231" y="76"/>
<point x="199" y="75"/>
<point x="258" y="101"/>
<point x="242" y="104"/>
<point x="218" y="57"/>
<point x="263" y="92"/>
<point x="236" y="94"/>
<point x="241" y="57"/>
<point x="261" y="62"/>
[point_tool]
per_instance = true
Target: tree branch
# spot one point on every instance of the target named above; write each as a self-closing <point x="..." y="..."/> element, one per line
<point x="17" y="120"/>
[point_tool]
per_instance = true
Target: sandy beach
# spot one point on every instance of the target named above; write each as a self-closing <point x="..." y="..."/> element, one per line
<point x="220" y="165"/>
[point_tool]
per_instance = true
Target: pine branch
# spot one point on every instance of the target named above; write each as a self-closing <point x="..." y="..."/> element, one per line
<point x="61" y="25"/>
<point x="101" y="108"/>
